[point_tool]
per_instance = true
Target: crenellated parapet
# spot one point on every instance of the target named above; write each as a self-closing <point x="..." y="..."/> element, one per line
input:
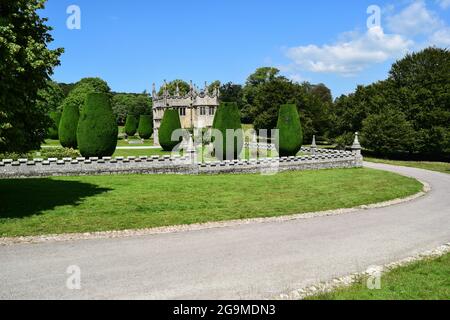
<point x="322" y="159"/>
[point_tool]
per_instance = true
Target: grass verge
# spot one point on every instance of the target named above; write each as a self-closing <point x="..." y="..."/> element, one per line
<point x="424" y="280"/>
<point x="433" y="166"/>
<point x="101" y="203"/>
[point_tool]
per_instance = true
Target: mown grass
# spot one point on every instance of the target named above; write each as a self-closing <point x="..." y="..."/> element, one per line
<point x="121" y="142"/>
<point x="433" y="166"/>
<point x="139" y="152"/>
<point x="98" y="203"/>
<point x="424" y="280"/>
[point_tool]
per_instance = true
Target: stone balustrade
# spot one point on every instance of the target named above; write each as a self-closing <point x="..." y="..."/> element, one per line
<point x="316" y="159"/>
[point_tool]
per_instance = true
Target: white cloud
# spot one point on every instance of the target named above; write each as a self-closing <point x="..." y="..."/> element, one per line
<point x="296" y="77"/>
<point x="440" y="38"/>
<point x="412" y="28"/>
<point x="445" y="4"/>
<point x="350" y="56"/>
<point x="414" y="20"/>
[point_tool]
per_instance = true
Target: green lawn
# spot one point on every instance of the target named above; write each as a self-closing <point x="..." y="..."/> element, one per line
<point x="247" y="153"/>
<point x="122" y="143"/>
<point x="50" y="142"/>
<point x="424" y="280"/>
<point x="139" y="152"/>
<point x="98" y="203"/>
<point x="433" y="166"/>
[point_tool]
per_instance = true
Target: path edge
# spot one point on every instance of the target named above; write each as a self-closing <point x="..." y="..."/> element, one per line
<point x="348" y="280"/>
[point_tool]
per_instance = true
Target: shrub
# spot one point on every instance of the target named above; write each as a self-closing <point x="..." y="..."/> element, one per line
<point x="17" y="155"/>
<point x="145" y="129"/>
<point x="58" y="152"/>
<point x="53" y="130"/>
<point x="97" y="128"/>
<point x="131" y="125"/>
<point x="169" y="123"/>
<point x="290" y="131"/>
<point x="68" y="126"/>
<point x="228" y="117"/>
<point x="388" y="133"/>
<point x="344" y="141"/>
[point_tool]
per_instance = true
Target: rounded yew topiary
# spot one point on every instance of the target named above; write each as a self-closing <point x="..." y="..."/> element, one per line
<point x="290" y="131"/>
<point x="52" y="132"/>
<point x="97" y="128"/>
<point x="131" y="125"/>
<point x="227" y="117"/>
<point x="145" y="129"/>
<point x="169" y="123"/>
<point x="68" y="124"/>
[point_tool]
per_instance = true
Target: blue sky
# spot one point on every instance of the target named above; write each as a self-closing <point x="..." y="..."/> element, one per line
<point x="132" y="44"/>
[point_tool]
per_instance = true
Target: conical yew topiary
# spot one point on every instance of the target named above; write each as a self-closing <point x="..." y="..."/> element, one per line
<point x="68" y="125"/>
<point x="230" y="145"/>
<point x="169" y="123"/>
<point x="145" y="129"/>
<point x="290" y="137"/>
<point x="131" y="125"/>
<point x="97" y="128"/>
<point x="52" y="132"/>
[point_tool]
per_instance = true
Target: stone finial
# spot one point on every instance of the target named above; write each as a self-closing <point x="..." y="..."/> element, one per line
<point x="356" y="150"/>
<point x="217" y="91"/>
<point x="166" y="93"/>
<point x="313" y="143"/>
<point x="153" y="90"/>
<point x="177" y="91"/>
<point x="206" y="87"/>
<point x="356" y="145"/>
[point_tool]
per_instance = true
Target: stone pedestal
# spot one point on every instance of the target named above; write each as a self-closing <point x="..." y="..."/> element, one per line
<point x="356" y="150"/>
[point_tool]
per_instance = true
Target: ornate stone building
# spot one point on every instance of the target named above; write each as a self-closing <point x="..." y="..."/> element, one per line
<point x="196" y="108"/>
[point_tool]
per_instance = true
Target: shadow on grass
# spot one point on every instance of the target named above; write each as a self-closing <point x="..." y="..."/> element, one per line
<point x="20" y="198"/>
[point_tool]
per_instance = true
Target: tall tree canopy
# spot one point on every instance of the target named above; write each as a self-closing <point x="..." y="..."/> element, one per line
<point x="51" y="97"/>
<point x="26" y="66"/>
<point x="124" y="104"/>
<point x="313" y="101"/>
<point x="183" y="86"/>
<point x="416" y="94"/>
<point x="230" y="92"/>
<point x="82" y="88"/>
<point x="250" y="90"/>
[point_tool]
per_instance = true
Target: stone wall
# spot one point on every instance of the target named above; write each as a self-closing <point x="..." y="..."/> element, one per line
<point x="318" y="159"/>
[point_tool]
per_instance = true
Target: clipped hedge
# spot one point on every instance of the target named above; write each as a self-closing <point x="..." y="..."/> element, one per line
<point x="169" y="123"/>
<point x="145" y="129"/>
<point x="290" y="131"/>
<point x="131" y="125"/>
<point x="97" y="128"/>
<point x="68" y="124"/>
<point x="52" y="132"/>
<point x="228" y="117"/>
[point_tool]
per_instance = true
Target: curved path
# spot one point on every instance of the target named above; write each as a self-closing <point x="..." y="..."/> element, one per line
<point x="246" y="261"/>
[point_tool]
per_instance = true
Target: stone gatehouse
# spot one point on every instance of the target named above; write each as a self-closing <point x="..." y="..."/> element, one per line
<point x="196" y="108"/>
